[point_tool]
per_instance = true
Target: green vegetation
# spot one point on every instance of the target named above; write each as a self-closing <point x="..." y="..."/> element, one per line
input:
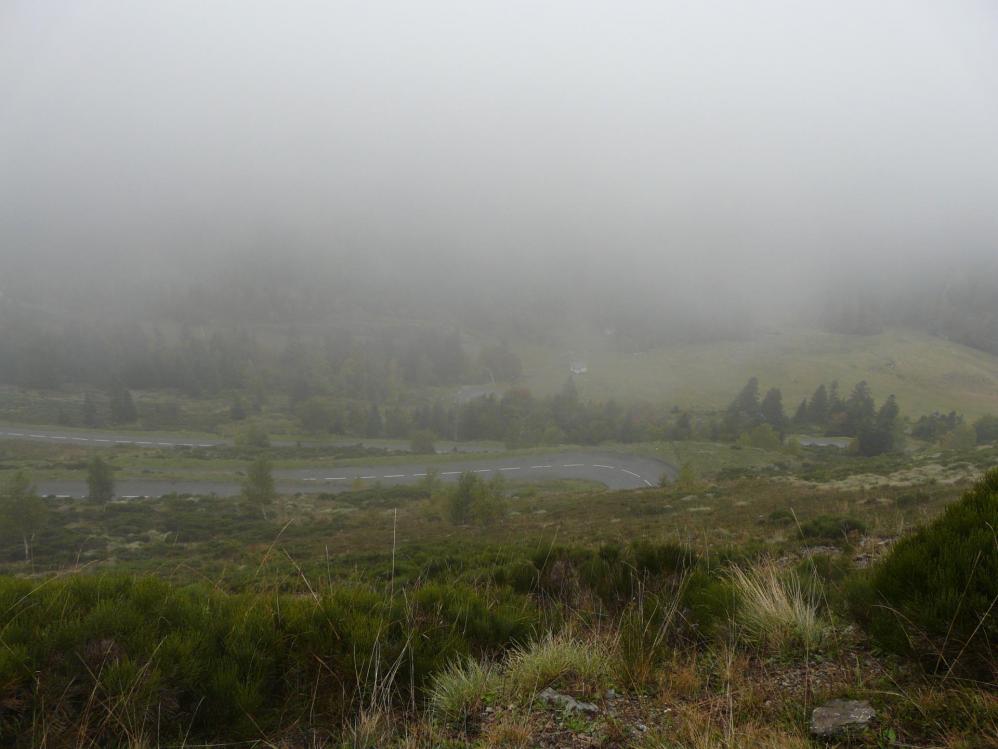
<point x="441" y="611"/>
<point x="22" y="512"/>
<point x="100" y="480"/>
<point x="775" y="611"/>
<point x="171" y="664"/>
<point x="935" y="594"/>
<point x="258" y="488"/>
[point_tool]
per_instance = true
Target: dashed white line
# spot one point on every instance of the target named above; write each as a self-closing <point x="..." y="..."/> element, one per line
<point x="647" y="482"/>
<point x="631" y="473"/>
<point x="57" y="437"/>
<point x="597" y="465"/>
<point x="510" y="468"/>
<point x="450" y="473"/>
<point x="418" y="474"/>
<point x="394" y="476"/>
<point x="540" y="466"/>
<point x="369" y="477"/>
<point x="98" y="439"/>
<point x="482" y="470"/>
<point x="572" y="465"/>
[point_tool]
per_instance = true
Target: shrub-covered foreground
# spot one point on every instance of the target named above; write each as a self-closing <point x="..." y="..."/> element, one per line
<point x="116" y="658"/>
<point x="731" y="648"/>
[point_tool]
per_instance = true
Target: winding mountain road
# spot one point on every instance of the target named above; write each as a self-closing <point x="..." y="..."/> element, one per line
<point x="615" y="470"/>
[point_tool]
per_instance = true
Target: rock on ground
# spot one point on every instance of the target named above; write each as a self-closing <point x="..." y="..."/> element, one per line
<point x="567" y="702"/>
<point x="841" y="718"/>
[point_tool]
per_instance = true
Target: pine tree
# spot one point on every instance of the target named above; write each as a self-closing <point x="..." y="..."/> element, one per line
<point x="100" y="480"/>
<point x="123" y="409"/>
<point x="817" y="411"/>
<point x="800" y="417"/>
<point x="258" y="488"/>
<point x="22" y="512"/>
<point x="772" y="409"/>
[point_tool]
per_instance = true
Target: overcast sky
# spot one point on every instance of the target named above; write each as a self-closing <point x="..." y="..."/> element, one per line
<point x="624" y="135"/>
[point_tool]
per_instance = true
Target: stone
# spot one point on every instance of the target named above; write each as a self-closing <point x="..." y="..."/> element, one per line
<point x="841" y="718"/>
<point x="567" y="702"/>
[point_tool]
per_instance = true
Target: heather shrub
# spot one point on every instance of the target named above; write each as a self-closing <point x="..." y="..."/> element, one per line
<point x="934" y="595"/>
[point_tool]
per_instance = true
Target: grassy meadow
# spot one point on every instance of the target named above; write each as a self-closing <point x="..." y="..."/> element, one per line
<point x="926" y="373"/>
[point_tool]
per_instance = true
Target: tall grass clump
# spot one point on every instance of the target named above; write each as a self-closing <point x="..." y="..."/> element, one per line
<point x="645" y="634"/>
<point x="458" y="694"/>
<point x="557" y="659"/>
<point x="935" y="595"/>
<point x="775" y="611"/>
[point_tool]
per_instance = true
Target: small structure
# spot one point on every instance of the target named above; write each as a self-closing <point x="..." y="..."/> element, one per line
<point x="578" y="368"/>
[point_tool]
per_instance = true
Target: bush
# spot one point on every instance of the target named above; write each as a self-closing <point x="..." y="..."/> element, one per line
<point x="826" y="528"/>
<point x="709" y="602"/>
<point x="933" y="596"/>
<point x="986" y="428"/>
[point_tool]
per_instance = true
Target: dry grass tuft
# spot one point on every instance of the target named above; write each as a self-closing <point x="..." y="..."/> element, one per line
<point x="775" y="612"/>
<point x="557" y="659"/>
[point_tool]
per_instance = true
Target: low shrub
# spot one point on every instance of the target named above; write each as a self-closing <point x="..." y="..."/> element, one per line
<point x="826" y="528"/>
<point x="708" y="603"/>
<point x="204" y="661"/>
<point x="934" y="595"/>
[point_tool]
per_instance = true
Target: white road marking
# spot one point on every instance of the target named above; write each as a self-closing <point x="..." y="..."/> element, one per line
<point x="540" y="466"/>
<point x="450" y="473"/>
<point x="206" y="445"/>
<point x="632" y="473"/>
<point x="143" y="443"/>
<point x="42" y="436"/>
<point x="57" y="437"/>
<point x="369" y="477"/>
<point x="394" y="476"/>
<point x="647" y="482"/>
<point x="82" y="439"/>
<point x="572" y="465"/>
<point x="512" y="468"/>
<point x="419" y="474"/>
<point x="336" y="478"/>
<point x="597" y="465"/>
<point x="482" y="470"/>
<point x="165" y="444"/>
<point x="98" y="439"/>
<point x="308" y="479"/>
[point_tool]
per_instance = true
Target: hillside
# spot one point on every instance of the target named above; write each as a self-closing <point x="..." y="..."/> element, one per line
<point x="925" y="372"/>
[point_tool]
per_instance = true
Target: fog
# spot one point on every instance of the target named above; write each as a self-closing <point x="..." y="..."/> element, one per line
<point x="736" y="156"/>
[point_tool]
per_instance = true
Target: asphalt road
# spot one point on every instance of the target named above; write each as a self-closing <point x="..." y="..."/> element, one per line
<point x="615" y="470"/>
<point x="104" y="438"/>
